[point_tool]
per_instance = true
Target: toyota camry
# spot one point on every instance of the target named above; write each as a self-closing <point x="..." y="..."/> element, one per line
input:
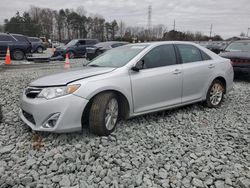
<point x="125" y="82"/>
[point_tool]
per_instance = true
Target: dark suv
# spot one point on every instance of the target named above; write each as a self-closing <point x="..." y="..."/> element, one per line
<point x="75" y="48"/>
<point x="19" y="45"/>
<point x="37" y="45"/>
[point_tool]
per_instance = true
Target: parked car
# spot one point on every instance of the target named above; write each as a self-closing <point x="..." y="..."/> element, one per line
<point x="56" y="44"/>
<point x="37" y="45"/>
<point x="216" y="47"/>
<point x="124" y="82"/>
<point x="239" y="54"/>
<point x="96" y="50"/>
<point x="19" y="45"/>
<point x="75" y="48"/>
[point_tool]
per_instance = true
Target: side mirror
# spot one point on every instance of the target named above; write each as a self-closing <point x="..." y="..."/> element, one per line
<point x="138" y="66"/>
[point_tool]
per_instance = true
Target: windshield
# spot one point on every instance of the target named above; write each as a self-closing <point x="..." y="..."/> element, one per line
<point x="117" y="57"/>
<point x="239" y="46"/>
<point x="72" y="43"/>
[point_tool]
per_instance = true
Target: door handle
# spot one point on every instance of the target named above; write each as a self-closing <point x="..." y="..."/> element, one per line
<point x="211" y="66"/>
<point x="177" y="71"/>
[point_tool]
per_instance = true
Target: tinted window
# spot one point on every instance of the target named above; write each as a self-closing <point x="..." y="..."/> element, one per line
<point x="160" y="56"/>
<point x="82" y="42"/>
<point x="205" y="56"/>
<point x="20" y="38"/>
<point x="91" y="42"/>
<point x="34" y="40"/>
<point x="6" y="38"/>
<point x="117" y="45"/>
<point x="189" y="53"/>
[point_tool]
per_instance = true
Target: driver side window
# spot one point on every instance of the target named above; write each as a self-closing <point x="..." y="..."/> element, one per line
<point x="163" y="55"/>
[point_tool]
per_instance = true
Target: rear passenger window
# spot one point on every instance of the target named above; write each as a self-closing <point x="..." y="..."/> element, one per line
<point x="21" y="38"/>
<point x="189" y="53"/>
<point x="205" y="57"/>
<point x="163" y="55"/>
<point x="82" y="42"/>
<point x="91" y="42"/>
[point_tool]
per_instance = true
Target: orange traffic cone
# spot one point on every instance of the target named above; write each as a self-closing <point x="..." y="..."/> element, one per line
<point x="7" y="58"/>
<point x="67" y="63"/>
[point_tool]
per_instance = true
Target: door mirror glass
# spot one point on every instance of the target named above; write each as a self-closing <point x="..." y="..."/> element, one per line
<point x="139" y="65"/>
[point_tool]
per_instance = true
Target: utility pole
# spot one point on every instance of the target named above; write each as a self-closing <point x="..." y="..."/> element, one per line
<point x="248" y="31"/>
<point x="149" y="21"/>
<point x="211" y="30"/>
<point x="149" y="17"/>
<point x="174" y="25"/>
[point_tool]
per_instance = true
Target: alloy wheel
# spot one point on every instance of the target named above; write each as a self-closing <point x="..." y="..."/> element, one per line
<point x="111" y="114"/>
<point x="216" y="94"/>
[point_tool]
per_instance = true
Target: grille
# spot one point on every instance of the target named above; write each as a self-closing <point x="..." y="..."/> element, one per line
<point x="29" y="117"/>
<point x="32" y="92"/>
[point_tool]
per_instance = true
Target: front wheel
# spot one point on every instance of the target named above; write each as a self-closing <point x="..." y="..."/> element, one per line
<point x="103" y="115"/>
<point x="215" y="94"/>
<point x="39" y="49"/>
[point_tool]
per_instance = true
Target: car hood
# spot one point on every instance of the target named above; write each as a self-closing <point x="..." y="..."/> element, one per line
<point x="235" y="54"/>
<point x="70" y="76"/>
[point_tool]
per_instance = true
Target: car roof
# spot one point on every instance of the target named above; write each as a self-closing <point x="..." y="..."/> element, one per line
<point x="33" y="37"/>
<point x="14" y="34"/>
<point x="240" y="41"/>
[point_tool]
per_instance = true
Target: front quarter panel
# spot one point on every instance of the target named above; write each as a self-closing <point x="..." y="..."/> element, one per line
<point x="117" y="80"/>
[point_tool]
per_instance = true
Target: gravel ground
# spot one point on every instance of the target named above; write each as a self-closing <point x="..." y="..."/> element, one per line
<point x="190" y="146"/>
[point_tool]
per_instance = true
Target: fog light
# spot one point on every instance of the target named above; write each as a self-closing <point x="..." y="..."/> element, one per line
<point x="51" y="121"/>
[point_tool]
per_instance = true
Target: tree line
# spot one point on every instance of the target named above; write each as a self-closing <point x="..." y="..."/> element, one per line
<point x="66" y="24"/>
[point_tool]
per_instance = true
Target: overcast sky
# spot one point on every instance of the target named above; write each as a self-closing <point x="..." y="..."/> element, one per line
<point x="229" y="17"/>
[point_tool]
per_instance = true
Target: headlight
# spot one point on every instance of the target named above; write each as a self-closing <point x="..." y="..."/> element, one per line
<point x="53" y="92"/>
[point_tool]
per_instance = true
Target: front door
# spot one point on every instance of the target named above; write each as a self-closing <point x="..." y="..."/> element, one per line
<point x="159" y="83"/>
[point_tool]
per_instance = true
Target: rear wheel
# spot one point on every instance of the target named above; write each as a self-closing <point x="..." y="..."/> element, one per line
<point x="103" y="115"/>
<point x="215" y="94"/>
<point x="18" y="55"/>
<point x="39" y="49"/>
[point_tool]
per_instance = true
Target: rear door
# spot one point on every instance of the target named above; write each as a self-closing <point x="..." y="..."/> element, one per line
<point x="159" y="83"/>
<point x="197" y="68"/>
<point x="81" y="47"/>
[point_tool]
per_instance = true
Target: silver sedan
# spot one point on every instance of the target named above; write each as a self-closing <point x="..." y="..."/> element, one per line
<point x="124" y="82"/>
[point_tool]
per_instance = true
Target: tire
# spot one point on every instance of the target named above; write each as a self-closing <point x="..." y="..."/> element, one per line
<point x="71" y="55"/>
<point x="18" y="55"/>
<point x="102" y="117"/>
<point x="215" y="94"/>
<point x="39" y="49"/>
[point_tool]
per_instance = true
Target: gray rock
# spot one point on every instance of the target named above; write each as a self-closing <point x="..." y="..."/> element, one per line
<point x="65" y="182"/>
<point x="219" y="184"/>
<point x="197" y="183"/>
<point x="244" y="182"/>
<point x="30" y="162"/>
<point x="26" y="180"/>
<point x="6" y="149"/>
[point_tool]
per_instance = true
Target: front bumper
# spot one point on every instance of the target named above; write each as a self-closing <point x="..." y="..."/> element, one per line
<point x="245" y="68"/>
<point x="35" y="112"/>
